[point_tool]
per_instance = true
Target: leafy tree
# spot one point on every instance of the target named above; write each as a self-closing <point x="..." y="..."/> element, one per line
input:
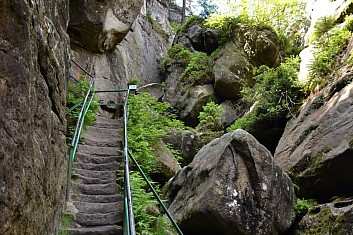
<point x="207" y="8"/>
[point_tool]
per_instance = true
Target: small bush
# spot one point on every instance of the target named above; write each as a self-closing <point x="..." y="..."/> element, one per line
<point x="199" y="66"/>
<point x="302" y="206"/>
<point x="134" y="81"/>
<point x="177" y="54"/>
<point x="276" y="91"/>
<point x="210" y="117"/>
<point x="322" y="26"/>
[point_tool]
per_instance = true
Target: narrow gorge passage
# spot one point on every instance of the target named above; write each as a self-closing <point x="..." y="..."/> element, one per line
<point x="96" y="200"/>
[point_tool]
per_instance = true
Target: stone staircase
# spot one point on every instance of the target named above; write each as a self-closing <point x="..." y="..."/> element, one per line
<point x="96" y="201"/>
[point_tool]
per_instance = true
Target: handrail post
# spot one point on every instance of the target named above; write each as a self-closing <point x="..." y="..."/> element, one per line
<point x="127" y="191"/>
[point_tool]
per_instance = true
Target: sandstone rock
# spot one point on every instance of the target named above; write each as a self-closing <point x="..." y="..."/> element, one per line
<point x="232" y="186"/>
<point x="194" y="99"/>
<point x="186" y="142"/>
<point x="232" y="110"/>
<point x="231" y="70"/>
<point x="316" y="147"/>
<point x="167" y="163"/>
<point x="260" y="45"/>
<point x="330" y="218"/>
<point x="136" y="56"/>
<point x="175" y="13"/>
<point x="100" y="25"/>
<point x="155" y="89"/>
<point x="34" y="64"/>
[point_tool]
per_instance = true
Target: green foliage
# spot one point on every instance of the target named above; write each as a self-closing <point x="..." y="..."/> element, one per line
<point x="322" y="26"/>
<point x="177" y="54"/>
<point x="134" y="81"/>
<point x="210" y="117"/>
<point x="199" y="66"/>
<point x="276" y="91"/>
<point x="348" y="23"/>
<point x="66" y="221"/>
<point x="207" y="8"/>
<point x="148" y="220"/>
<point x="77" y="93"/>
<point x="302" y="206"/>
<point x="156" y="26"/>
<point x="327" y="50"/>
<point x="147" y="124"/>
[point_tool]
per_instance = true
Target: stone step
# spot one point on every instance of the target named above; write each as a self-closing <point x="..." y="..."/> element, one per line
<point x="102" y="141"/>
<point x="102" y="131"/>
<point x="98" y="151"/>
<point x="97" y="198"/>
<point x="97" y="230"/>
<point x="96" y="174"/>
<point x="95" y="189"/>
<point x="87" y="180"/>
<point x="113" y="166"/>
<point x="108" y="122"/>
<point x="97" y="207"/>
<point x="99" y="219"/>
<point x="86" y="158"/>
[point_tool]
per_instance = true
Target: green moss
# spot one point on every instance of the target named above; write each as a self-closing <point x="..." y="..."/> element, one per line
<point x="302" y="206"/>
<point x="66" y="220"/>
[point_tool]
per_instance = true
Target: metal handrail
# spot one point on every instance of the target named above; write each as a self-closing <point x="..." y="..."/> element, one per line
<point x="155" y="194"/>
<point x="129" y="227"/>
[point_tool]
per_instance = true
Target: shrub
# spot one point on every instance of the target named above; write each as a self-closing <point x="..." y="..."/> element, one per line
<point x="147" y="124"/>
<point x="302" y="206"/>
<point x="322" y="26"/>
<point x="276" y="91"/>
<point x="177" y="54"/>
<point x="134" y="81"/>
<point x="210" y="117"/>
<point x="199" y="66"/>
<point x="76" y="93"/>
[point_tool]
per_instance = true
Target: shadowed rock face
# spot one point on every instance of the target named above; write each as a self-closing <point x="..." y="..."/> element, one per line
<point x="100" y="25"/>
<point x="34" y="57"/>
<point x="232" y="186"/>
<point x="316" y="147"/>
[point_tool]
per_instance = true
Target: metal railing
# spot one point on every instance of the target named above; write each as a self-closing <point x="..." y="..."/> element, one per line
<point x="129" y="223"/>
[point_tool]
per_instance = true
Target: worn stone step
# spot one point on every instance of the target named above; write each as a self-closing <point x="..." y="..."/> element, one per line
<point x="103" y="131"/>
<point x="98" y="207"/>
<point x="86" y="158"/>
<point x="97" y="230"/>
<point x="96" y="219"/>
<point x="102" y="141"/>
<point x="113" y="166"/>
<point x="88" y="180"/>
<point x="96" y="174"/>
<point x="103" y="121"/>
<point x="98" y="151"/>
<point x="95" y="189"/>
<point x="97" y="198"/>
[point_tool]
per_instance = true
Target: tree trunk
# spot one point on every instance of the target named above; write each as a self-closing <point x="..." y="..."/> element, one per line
<point x="183" y="12"/>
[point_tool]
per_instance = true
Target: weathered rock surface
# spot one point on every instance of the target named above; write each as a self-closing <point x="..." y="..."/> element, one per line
<point x="316" y="147"/>
<point x="155" y="89"/>
<point x="34" y="57"/>
<point x="231" y="69"/>
<point x="100" y="25"/>
<point x="186" y="142"/>
<point x="232" y="186"/>
<point x="136" y="56"/>
<point x="232" y="110"/>
<point x="330" y="218"/>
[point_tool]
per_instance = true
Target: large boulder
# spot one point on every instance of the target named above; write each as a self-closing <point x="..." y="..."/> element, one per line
<point x="232" y="110"/>
<point x="330" y="218"/>
<point x="317" y="146"/>
<point x="231" y="70"/>
<point x="261" y="45"/>
<point x="100" y="25"/>
<point x="34" y="69"/>
<point x="187" y="142"/>
<point x="232" y="186"/>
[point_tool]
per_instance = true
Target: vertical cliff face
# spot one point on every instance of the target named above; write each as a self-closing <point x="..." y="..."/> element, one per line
<point x="135" y="55"/>
<point x="34" y="57"/>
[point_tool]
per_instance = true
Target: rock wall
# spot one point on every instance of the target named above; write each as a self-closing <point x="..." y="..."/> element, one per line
<point x="135" y="56"/>
<point x="34" y="56"/>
